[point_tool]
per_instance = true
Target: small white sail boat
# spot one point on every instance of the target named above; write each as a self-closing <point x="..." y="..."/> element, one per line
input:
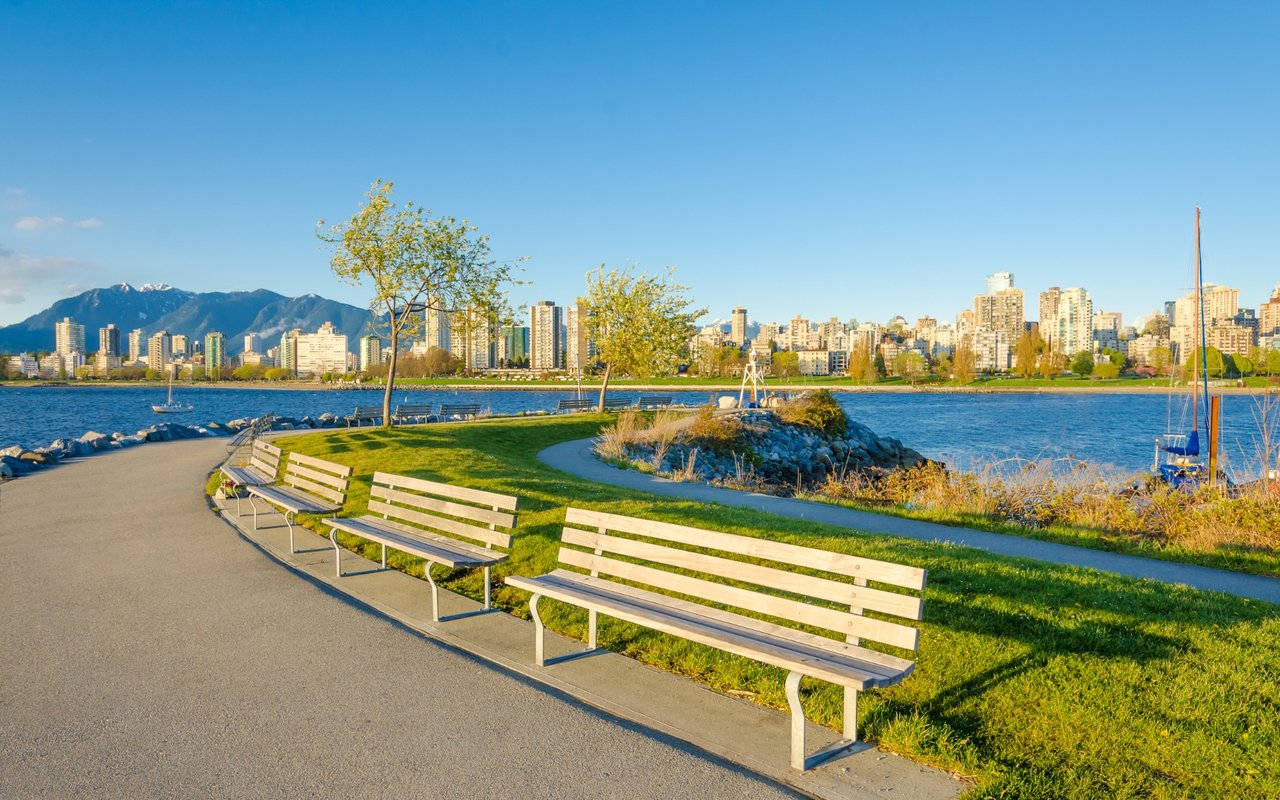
<point x="171" y="407"/>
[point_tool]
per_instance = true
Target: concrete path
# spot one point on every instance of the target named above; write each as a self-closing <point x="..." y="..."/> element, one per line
<point x="148" y="651"/>
<point x="576" y="458"/>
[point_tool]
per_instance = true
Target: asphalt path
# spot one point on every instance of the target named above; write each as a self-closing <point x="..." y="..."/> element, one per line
<point x="576" y="458"/>
<point x="146" y="650"/>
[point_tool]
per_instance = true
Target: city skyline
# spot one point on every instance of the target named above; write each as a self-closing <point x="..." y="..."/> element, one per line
<point x="829" y="158"/>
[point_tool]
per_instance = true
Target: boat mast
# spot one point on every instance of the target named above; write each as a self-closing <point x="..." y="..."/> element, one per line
<point x="1204" y="353"/>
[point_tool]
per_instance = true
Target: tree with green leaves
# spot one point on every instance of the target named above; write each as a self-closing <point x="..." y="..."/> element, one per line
<point x="785" y="364"/>
<point x="1160" y="359"/>
<point x="909" y="365"/>
<point x="640" y="324"/>
<point x="861" y="367"/>
<point x="416" y="263"/>
<point x="1082" y="363"/>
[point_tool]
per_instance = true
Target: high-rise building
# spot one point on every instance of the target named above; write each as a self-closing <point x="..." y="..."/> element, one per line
<point x="579" y="351"/>
<point x="215" y="353"/>
<point x="251" y="342"/>
<point x="109" y="340"/>
<point x="178" y="344"/>
<point x="1066" y="320"/>
<point x="1269" y="315"/>
<point x="1220" y="303"/>
<point x="475" y="340"/>
<point x="320" y="352"/>
<point x="1000" y="311"/>
<point x="68" y="337"/>
<point x="513" y="345"/>
<point x="738" y="326"/>
<point x="288" y="350"/>
<point x="1106" y="329"/>
<point x="136" y="342"/>
<point x="370" y="352"/>
<point x="800" y="335"/>
<point x="770" y="334"/>
<point x="546" y="348"/>
<point x="439" y="328"/>
<point x="159" y="354"/>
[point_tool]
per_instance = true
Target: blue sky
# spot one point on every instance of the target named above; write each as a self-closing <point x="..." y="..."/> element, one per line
<point x="850" y="159"/>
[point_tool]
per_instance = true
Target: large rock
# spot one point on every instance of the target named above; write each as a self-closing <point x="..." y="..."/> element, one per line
<point x="14" y="451"/>
<point x="95" y="440"/>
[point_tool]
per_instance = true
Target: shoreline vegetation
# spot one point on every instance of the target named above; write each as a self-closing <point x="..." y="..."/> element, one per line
<point x="1144" y="688"/>
<point x="842" y="385"/>
<point x="1056" y="500"/>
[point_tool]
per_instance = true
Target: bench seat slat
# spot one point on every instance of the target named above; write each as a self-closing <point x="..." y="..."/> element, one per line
<point x="492" y="499"/>
<point x="657" y="613"/>
<point x="836" y="591"/>
<point x="318" y="476"/>
<point x="293" y="500"/>
<point x="246" y="476"/>
<point x="422" y="502"/>
<point x="842" y="622"/>
<point x="495" y="538"/>
<point x="415" y="541"/>
<point x="827" y="561"/>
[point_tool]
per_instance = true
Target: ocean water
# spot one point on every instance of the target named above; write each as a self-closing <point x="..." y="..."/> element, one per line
<point x="964" y="430"/>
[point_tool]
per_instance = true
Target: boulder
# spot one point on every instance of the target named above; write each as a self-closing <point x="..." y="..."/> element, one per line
<point x="96" y="441"/>
<point x="36" y="457"/>
<point x="17" y="466"/>
<point x="13" y="451"/>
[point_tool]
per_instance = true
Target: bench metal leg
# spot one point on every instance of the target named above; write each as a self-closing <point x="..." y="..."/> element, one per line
<point x="435" y="591"/>
<point x="539" y="632"/>
<point x="384" y="557"/>
<point x="799" y="760"/>
<point x="487" y="584"/>
<point x="591" y="629"/>
<point x="254" y="506"/>
<point x="337" y="553"/>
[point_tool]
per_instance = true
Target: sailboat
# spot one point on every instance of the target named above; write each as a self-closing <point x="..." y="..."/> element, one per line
<point x="171" y="407"/>
<point x="1178" y="460"/>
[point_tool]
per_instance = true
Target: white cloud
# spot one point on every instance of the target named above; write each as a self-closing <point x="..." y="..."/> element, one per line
<point x="22" y="272"/>
<point x="49" y="223"/>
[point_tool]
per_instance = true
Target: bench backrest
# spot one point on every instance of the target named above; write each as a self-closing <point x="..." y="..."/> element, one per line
<point x="317" y="476"/>
<point x="847" y="589"/>
<point x="367" y="411"/>
<point x="265" y="457"/>
<point x="616" y="402"/>
<point x="443" y="508"/>
<point x="462" y="409"/>
<point x="576" y="403"/>
<point x="408" y="410"/>
<point x="655" y="400"/>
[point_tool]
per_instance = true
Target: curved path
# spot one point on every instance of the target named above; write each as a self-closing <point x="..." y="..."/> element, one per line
<point x="148" y="651"/>
<point x="576" y="458"/>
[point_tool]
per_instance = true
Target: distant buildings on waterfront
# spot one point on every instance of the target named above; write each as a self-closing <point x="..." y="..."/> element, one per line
<point x="993" y="334"/>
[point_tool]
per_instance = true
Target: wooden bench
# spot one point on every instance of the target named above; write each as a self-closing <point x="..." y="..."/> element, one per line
<point x="433" y="521"/>
<point x="807" y="601"/>
<point x="404" y="413"/>
<point x="363" y="414"/>
<point x="309" y="486"/>
<point x="459" y="410"/>
<point x="263" y="466"/>
<point x="653" y="401"/>
<point x="616" y="403"/>
<point x="575" y="405"/>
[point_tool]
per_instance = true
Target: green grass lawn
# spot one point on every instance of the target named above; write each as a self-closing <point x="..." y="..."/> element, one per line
<point x="1034" y="680"/>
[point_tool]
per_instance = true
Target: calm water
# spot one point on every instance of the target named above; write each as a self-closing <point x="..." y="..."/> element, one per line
<point x="960" y="429"/>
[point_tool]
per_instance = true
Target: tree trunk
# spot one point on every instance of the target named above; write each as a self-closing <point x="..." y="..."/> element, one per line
<point x="391" y="377"/>
<point x="604" y="387"/>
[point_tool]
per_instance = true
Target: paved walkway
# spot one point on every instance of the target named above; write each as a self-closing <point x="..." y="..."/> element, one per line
<point x="149" y="651"/>
<point x="576" y="458"/>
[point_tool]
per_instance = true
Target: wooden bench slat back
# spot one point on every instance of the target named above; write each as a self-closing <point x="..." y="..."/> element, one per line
<point x="265" y="457"/>
<point x="477" y="496"/>
<point x="317" y="476"/>
<point x="843" y="622"/>
<point x="795" y="555"/>
<point x="847" y="594"/>
<point x="411" y="500"/>
<point x="414" y="409"/>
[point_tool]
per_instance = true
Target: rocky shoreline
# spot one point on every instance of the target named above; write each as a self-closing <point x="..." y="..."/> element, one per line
<point x="17" y="461"/>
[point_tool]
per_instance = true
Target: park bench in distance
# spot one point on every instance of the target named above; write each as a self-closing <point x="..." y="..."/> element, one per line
<point x="309" y="486"/>
<point x="363" y="414"/>
<point x="405" y="413"/>
<point x="575" y="405"/>
<point x="845" y="663"/>
<point x="616" y="403"/>
<point x="433" y="521"/>
<point x="459" y="410"/>
<point x="650" y="402"/>
<point x="263" y="466"/>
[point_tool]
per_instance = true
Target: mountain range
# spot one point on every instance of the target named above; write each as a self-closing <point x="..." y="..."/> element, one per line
<point x="161" y="307"/>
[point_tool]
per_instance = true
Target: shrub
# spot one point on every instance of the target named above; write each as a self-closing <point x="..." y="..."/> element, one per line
<point x="722" y="435"/>
<point x="818" y="411"/>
